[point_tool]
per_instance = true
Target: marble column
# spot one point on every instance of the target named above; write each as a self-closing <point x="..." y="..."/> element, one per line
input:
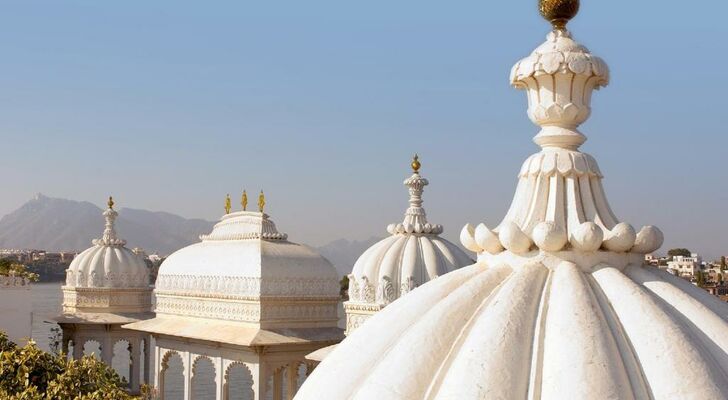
<point x="188" y="375"/>
<point x="278" y="385"/>
<point x="260" y="382"/>
<point x="107" y="350"/>
<point x="291" y="383"/>
<point x="219" y="378"/>
<point x="78" y="343"/>
<point x="134" y="372"/>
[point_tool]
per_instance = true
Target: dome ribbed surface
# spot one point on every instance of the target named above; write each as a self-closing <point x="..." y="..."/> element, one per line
<point x="107" y="266"/>
<point x="531" y="332"/>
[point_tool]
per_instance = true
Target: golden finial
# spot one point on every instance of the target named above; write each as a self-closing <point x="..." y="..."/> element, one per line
<point x="261" y="201"/>
<point x="558" y="12"/>
<point x="228" y="206"/>
<point x="244" y="201"/>
<point x="416" y="164"/>
<point x="110" y="203"/>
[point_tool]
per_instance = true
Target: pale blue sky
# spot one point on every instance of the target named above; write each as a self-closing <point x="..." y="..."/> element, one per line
<point x="169" y="105"/>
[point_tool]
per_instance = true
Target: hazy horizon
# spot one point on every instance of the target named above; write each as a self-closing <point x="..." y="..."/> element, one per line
<point x="169" y="106"/>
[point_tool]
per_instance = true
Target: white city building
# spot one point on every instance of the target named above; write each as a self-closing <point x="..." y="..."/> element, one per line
<point x="686" y="266"/>
<point x="413" y="254"/>
<point x="237" y="312"/>
<point x="560" y="304"/>
<point x="107" y="286"/>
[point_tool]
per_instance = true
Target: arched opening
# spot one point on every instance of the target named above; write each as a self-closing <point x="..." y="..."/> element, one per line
<point x="92" y="348"/>
<point x="172" y="377"/>
<point x="304" y="370"/>
<point x="121" y="359"/>
<point x="203" y="379"/>
<point x="239" y="382"/>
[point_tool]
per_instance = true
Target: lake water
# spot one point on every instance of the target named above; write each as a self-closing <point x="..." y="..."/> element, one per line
<point x="47" y="299"/>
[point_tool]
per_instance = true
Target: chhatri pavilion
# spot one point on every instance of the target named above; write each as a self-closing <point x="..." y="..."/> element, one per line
<point x="412" y="255"/>
<point x="559" y="304"/>
<point x="107" y="286"/>
<point x="237" y="313"/>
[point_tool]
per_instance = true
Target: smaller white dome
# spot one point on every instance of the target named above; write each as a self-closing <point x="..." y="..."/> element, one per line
<point x="413" y="255"/>
<point x="108" y="264"/>
<point x="396" y="265"/>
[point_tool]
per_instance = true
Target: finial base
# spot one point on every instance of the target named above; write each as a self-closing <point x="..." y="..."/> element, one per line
<point x="563" y="138"/>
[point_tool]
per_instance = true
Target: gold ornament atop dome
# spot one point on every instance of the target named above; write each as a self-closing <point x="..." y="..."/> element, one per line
<point x="110" y="203"/>
<point x="244" y="200"/>
<point x="228" y="206"/>
<point x="416" y="164"/>
<point x="558" y="12"/>
<point x="261" y="201"/>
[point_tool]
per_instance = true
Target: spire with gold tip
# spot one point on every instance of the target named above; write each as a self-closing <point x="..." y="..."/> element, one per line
<point x="261" y="201"/>
<point x="416" y="164"/>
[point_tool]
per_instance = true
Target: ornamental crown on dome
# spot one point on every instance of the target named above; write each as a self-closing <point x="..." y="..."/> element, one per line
<point x="245" y="225"/>
<point x="560" y="76"/>
<point x="415" y="218"/>
<point x="109" y="238"/>
<point x="560" y="203"/>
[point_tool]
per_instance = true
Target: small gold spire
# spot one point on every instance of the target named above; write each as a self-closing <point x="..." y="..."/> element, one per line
<point x="558" y="12"/>
<point x="110" y="203"/>
<point x="261" y="201"/>
<point x="244" y="201"/>
<point x="416" y="164"/>
<point x="228" y="205"/>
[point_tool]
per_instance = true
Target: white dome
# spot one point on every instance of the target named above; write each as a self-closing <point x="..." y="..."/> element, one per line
<point x="411" y="256"/>
<point x="406" y="261"/>
<point x="106" y="280"/>
<point x="560" y="304"/>
<point x="108" y="264"/>
<point x="501" y="332"/>
<point x="243" y="261"/>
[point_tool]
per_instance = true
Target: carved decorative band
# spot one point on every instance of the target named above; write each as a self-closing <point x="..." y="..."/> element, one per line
<point x="295" y="310"/>
<point x="250" y="287"/>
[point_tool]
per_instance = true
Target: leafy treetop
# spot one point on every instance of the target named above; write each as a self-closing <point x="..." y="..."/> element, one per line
<point x="28" y="373"/>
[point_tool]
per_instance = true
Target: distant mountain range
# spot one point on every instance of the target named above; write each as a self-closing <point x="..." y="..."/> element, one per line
<point x="66" y="225"/>
<point x="59" y="224"/>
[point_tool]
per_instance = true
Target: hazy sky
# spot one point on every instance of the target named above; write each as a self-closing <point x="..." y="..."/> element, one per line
<point x="169" y="105"/>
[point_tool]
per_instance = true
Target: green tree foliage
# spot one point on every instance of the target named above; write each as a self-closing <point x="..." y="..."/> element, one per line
<point x="678" y="252"/>
<point x="28" y="373"/>
<point x="10" y="268"/>
<point x="344" y="287"/>
<point x="699" y="278"/>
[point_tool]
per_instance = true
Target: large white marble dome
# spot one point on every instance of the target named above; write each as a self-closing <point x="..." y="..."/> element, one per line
<point x="560" y="304"/>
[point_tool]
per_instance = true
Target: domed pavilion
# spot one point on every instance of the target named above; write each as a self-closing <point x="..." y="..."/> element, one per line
<point x="237" y="312"/>
<point x="412" y="255"/>
<point x="107" y="286"/>
<point x="560" y="304"/>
